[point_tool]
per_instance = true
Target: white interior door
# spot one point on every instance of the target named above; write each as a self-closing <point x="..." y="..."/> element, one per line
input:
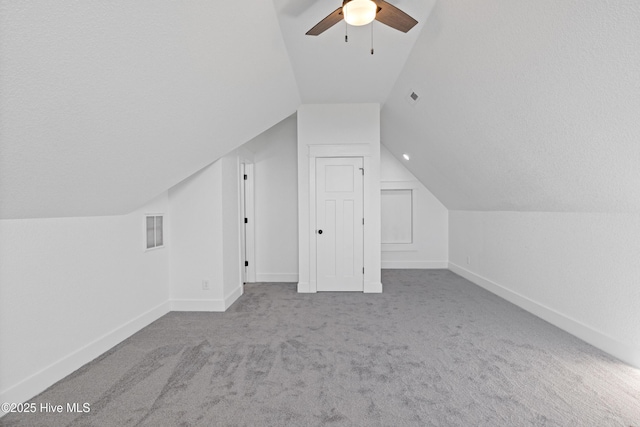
<point x="339" y="224"/>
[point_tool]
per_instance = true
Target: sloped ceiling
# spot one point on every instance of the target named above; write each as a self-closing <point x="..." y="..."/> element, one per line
<point x="524" y="106"/>
<point x="328" y="70"/>
<point x="104" y="105"/>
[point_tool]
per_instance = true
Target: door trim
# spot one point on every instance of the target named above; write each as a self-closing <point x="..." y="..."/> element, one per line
<point x="348" y="150"/>
<point x="248" y="229"/>
<point x="327" y="150"/>
<point x="357" y="161"/>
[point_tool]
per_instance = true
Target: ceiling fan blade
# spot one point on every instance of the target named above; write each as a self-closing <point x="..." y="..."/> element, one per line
<point x="392" y="16"/>
<point x="326" y="23"/>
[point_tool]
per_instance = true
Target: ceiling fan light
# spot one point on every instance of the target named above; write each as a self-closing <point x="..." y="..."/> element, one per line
<point x="359" y="12"/>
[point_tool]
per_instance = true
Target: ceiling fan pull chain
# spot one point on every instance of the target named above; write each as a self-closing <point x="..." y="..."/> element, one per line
<point x="371" y="37"/>
<point x="346" y="28"/>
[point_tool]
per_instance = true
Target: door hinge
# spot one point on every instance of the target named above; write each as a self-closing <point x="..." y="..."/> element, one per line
<point x="362" y="221"/>
<point x="362" y="270"/>
<point x="362" y="169"/>
<point x="245" y="176"/>
<point x="246" y="221"/>
<point x="246" y="263"/>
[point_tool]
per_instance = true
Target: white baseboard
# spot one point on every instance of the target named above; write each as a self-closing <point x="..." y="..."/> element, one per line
<point x="305" y="288"/>
<point x="415" y="264"/>
<point x="211" y="305"/>
<point x="624" y="352"/>
<point x="217" y="305"/>
<point x="36" y="383"/>
<point x="53" y="373"/>
<point x="233" y="296"/>
<point x="277" y="277"/>
<point x="372" y="287"/>
<point x="369" y="287"/>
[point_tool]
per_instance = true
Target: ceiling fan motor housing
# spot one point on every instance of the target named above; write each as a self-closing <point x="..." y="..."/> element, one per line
<point x="379" y="10"/>
<point x="359" y="12"/>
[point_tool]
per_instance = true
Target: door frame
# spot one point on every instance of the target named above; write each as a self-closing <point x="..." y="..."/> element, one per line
<point x="329" y="150"/>
<point x="247" y="230"/>
<point x="352" y="160"/>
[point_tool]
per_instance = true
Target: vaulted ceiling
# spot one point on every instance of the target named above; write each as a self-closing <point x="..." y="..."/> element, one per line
<point x="105" y="105"/>
<point x="522" y="105"/>
<point x="330" y="70"/>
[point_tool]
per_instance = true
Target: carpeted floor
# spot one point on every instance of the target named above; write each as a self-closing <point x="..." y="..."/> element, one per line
<point x="432" y="350"/>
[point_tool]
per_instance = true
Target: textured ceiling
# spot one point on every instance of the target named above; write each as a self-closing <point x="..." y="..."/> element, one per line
<point x="328" y="70"/>
<point x="106" y="104"/>
<point x="530" y="106"/>
<point x="525" y="106"/>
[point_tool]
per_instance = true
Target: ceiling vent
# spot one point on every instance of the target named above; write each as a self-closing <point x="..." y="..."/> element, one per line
<point x="413" y="97"/>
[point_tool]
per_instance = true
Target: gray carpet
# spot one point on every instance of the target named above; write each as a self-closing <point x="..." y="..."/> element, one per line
<point x="432" y="350"/>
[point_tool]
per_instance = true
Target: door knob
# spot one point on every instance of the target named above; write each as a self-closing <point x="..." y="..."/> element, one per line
<point x="319" y="231"/>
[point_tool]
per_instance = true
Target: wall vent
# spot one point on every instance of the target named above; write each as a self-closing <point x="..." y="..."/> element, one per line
<point x="154" y="231"/>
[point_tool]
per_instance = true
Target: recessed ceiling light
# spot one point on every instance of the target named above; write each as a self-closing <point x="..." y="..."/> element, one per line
<point x="406" y="156"/>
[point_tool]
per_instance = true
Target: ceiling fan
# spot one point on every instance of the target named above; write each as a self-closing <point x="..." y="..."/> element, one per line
<point x="362" y="12"/>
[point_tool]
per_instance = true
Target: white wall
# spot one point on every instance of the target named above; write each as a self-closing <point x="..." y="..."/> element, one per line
<point x="430" y="221"/>
<point x="524" y="106"/>
<point x="339" y="129"/>
<point x="106" y="107"/>
<point x="71" y="289"/>
<point x="205" y="238"/>
<point x="232" y="286"/>
<point x="276" y="202"/>
<point x="529" y="106"/>
<point x="196" y="214"/>
<point x="579" y="271"/>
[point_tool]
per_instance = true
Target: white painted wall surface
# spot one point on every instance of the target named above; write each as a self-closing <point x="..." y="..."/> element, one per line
<point x="579" y="271"/>
<point x="340" y="125"/>
<point x="205" y="238"/>
<point x="430" y="224"/>
<point x="196" y="252"/>
<point x="105" y="105"/>
<point x="71" y="288"/>
<point x="231" y="257"/>
<point x="276" y="202"/>
<point x="524" y="106"/>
